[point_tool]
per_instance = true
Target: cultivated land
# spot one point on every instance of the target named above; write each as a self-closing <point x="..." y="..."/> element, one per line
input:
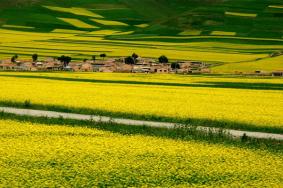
<point x="231" y="35"/>
<point x="217" y="101"/>
<point x="234" y="35"/>
<point x="41" y="152"/>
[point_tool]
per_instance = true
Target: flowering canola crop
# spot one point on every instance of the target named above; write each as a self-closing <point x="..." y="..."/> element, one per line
<point x="257" y="102"/>
<point x="41" y="155"/>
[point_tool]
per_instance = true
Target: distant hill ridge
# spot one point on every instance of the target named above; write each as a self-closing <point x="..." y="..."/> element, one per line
<point x="242" y="18"/>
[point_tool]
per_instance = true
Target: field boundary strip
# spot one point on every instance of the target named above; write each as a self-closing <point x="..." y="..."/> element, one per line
<point x="130" y="122"/>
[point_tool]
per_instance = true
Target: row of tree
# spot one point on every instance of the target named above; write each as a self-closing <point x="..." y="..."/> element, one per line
<point x="131" y="60"/>
<point x="65" y="60"/>
<point x="15" y="57"/>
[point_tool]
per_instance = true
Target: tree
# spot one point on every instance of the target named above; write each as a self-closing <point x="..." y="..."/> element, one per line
<point x="163" y="59"/>
<point x="135" y="57"/>
<point x="65" y="60"/>
<point x="93" y="58"/>
<point x="129" y="60"/>
<point x="34" y="57"/>
<point x="61" y="58"/>
<point x="103" y="56"/>
<point x="14" y="58"/>
<point x="175" y="65"/>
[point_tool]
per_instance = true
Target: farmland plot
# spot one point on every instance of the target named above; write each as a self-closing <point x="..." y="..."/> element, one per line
<point x="70" y="155"/>
<point x="254" y="104"/>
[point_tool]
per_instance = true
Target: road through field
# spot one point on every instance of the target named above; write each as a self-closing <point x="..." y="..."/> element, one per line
<point x="130" y="122"/>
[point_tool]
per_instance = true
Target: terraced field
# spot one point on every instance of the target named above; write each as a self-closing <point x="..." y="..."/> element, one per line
<point x="217" y="101"/>
<point x="234" y="35"/>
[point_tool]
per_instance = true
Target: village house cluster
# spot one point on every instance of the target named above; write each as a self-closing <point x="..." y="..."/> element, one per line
<point x="141" y="65"/>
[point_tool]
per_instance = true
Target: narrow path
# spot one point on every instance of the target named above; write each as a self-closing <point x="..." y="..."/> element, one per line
<point x="51" y="114"/>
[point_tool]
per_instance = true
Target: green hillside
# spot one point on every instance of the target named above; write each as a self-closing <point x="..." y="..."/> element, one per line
<point x="216" y="31"/>
<point x="235" y="17"/>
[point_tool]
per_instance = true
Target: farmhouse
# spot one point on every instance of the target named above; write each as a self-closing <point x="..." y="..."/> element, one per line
<point x="142" y="65"/>
<point x="141" y="68"/>
<point x="53" y="66"/>
<point x="196" y="67"/>
<point x="68" y="68"/>
<point x="108" y="68"/>
<point x="86" y="67"/>
<point x="76" y="66"/>
<point x="146" y="61"/>
<point x="160" y="68"/>
<point x="192" y="67"/>
<point x="277" y="73"/>
<point x="97" y="66"/>
<point x="103" y="67"/>
<point x="123" y="68"/>
<point x="261" y="73"/>
<point x="184" y="67"/>
<point x="24" y="67"/>
<point x="8" y="67"/>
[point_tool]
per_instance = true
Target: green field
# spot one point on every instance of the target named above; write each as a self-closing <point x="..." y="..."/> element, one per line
<point x="233" y="35"/>
<point x="57" y="153"/>
<point x="217" y="101"/>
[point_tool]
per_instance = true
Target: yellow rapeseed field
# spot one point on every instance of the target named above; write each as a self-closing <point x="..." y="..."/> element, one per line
<point x="241" y="14"/>
<point x="75" y="10"/>
<point x="255" y="102"/>
<point x="77" y="23"/>
<point x="40" y="155"/>
<point x="109" y="22"/>
<point x="142" y="25"/>
<point x="82" y="45"/>
<point x="223" y="33"/>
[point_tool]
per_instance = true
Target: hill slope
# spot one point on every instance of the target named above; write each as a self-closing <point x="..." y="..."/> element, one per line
<point x="233" y="17"/>
<point x="248" y="30"/>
